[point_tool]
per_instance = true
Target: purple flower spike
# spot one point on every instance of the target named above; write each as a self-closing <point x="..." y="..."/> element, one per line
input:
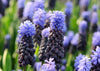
<point x="39" y="17"/>
<point x="45" y="32"/>
<point x="69" y="7"/>
<point x="66" y="41"/>
<point x="84" y="64"/>
<point x="82" y="26"/>
<point x="95" y="7"/>
<point x="95" y="57"/>
<point x="21" y="3"/>
<point x="26" y="28"/>
<point x="84" y="3"/>
<point x="96" y="39"/>
<point x="38" y="4"/>
<point x="57" y="20"/>
<point x="49" y="66"/>
<point x="70" y="35"/>
<point x="78" y="58"/>
<point x="29" y="10"/>
<point x="94" y="18"/>
<point x="75" y="39"/>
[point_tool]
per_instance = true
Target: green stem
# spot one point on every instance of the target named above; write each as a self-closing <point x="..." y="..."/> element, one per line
<point x="24" y="68"/>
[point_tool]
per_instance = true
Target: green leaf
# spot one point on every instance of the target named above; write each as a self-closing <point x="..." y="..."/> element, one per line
<point x="7" y="63"/>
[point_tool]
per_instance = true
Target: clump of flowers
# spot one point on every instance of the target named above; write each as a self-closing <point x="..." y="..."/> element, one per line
<point x="26" y="45"/>
<point x="55" y="39"/>
<point x="39" y="21"/>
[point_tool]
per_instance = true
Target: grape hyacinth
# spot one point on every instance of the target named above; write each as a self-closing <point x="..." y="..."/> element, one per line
<point x="48" y="16"/>
<point x="26" y="46"/>
<point x="77" y="60"/>
<point x="65" y="44"/>
<point x="7" y="41"/>
<point x="39" y="21"/>
<point x="52" y="4"/>
<point x="49" y="65"/>
<point x="95" y="40"/>
<point x="38" y="4"/>
<point x="21" y="4"/>
<point x="74" y="43"/>
<point x="82" y="36"/>
<point x="95" y="8"/>
<point x="84" y="64"/>
<point x="68" y="12"/>
<point x="6" y="3"/>
<point x="94" y="20"/>
<point x="95" y="59"/>
<point x="43" y="46"/>
<point x="84" y="5"/>
<point x="86" y="17"/>
<point x="55" y="40"/>
<point x="28" y="11"/>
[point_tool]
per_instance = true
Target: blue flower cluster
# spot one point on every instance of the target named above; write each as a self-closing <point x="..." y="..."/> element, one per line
<point x="78" y="58"/>
<point x="68" y="9"/>
<point x="21" y="3"/>
<point x="75" y="39"/>
<point x="49" y="66"/>
<point x="45" y="32"/>
<point x="82" y="26"/>
<point x="84" y="3"/>
<point x="84" y="64"/>
<point x="94" y="18"/>
<point x="38" y="4"/>
<point x="26" y="29"/>
<point x="39" y="17"/>
<point x="29" y="10"/>
<point x="57" y="20"/>
<point x="96" y="39"/>
<point x="95" y="57"/>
